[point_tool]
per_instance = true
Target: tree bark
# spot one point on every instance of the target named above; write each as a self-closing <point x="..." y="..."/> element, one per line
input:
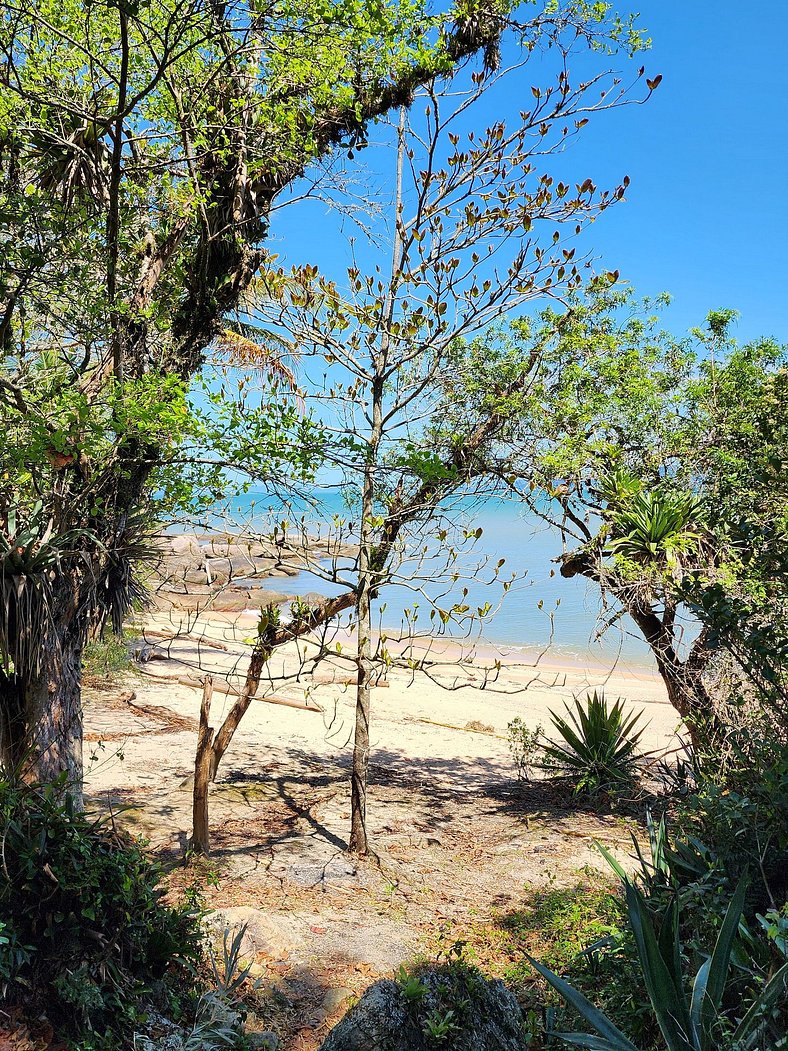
<point x="359" y="843"/>
<point x="319" y="614"/>
<point x="41" y="720"/>
<point x="683" y="679"/>
<point x="260" y="655"/>
<point x="213" y="268"/>
<point x="201" y="840"/>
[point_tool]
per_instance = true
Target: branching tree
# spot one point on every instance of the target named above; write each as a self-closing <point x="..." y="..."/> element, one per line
<point x="476" y="231"/>
<point x="142" y="149"/>
<point x="659" y="460"/>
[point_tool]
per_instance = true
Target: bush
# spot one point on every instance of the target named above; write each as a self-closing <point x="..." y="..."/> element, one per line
<point x="104" y="661"/>
<point x="691" y="1010"/>
<point x="524" y="745"/>
<point x="84" y="933"/>
<point x="598" y="746"/>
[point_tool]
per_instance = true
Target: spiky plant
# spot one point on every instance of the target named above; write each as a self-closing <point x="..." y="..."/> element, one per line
<point x="31" y="555"/>
<point x="598" y="744"/>
<point x="691" y="1020"/>
<point x="656" y="527"/>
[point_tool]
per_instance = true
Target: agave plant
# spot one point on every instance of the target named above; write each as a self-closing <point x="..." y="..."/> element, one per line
<point x="599" y="743"/>
<point x="656" y="526"/>
<point x="688" y="1020"/>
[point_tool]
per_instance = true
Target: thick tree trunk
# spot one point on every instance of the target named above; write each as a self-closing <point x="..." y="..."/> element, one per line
<point x="41" y="722"/>
<point x="683" y="679"/>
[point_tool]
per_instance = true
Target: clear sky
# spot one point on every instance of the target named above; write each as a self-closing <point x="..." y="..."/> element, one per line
<point x="706" y="214"/>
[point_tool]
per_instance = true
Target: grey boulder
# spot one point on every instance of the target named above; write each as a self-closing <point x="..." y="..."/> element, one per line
<point x="450" y="1008"/>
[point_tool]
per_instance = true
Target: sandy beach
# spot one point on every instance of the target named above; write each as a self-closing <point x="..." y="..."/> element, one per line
<point x="457" y="840"/>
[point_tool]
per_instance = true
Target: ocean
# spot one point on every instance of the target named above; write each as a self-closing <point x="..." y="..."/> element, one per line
<point x="540" y="611"/>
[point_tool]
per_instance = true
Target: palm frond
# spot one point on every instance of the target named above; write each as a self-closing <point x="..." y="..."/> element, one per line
<point x="262" y="349"/>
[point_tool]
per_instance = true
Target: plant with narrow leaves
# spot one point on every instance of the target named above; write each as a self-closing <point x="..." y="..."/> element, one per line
<point x="598" y="746"/>
<point x="657" y="527"/>
<point x="687" y="1023"/>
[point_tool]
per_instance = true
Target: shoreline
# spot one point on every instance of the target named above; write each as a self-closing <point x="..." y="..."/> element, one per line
<point x="229" y="580"/>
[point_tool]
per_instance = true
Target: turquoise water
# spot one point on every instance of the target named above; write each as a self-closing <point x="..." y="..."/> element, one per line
<point x="540" y="610"/>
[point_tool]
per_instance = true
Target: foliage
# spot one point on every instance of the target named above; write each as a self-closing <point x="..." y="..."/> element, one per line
<point x="655" y="527"/>
<point x="446" y="1001"/>
<point x="219" y="1012"/>
<point x="598" y="746"/>
<point x="104" y="660"/>
<point x="524" y="745"/>
<point x="660" y="458"/>
<point x="578" y="930"/>
<point x="85" y="931"/>
<point x="743" y="822"/>
<point x="142" y="148"/>
<point x="688" y="1022"/>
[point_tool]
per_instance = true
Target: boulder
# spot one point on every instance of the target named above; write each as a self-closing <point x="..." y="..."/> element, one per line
<point x="185" y="544"/>
<point x="452" y="1007"/>
<point x="274" y="936"/>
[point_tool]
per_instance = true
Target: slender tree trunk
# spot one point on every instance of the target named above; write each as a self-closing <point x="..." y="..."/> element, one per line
<point x="368" y="557"/>
<point x="260" y="654"/>
<point x="319" y="614"/>
<point x="359" y="843"/>
<point x="201" y="840"/>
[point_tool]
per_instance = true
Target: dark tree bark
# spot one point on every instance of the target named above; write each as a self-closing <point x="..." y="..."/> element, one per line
<point x="683" y="678"/>
<point x="40" y="703"/>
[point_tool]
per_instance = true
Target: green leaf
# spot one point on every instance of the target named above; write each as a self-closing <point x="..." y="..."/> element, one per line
<point x="664" y="989"/>
<point x="616" y="1041"/>
<point x="711" y="978"/>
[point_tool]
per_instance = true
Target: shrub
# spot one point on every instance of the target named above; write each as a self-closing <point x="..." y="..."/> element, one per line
<point x="104" y="661"/>
<point x="598" y="746"/>
<point x="524" y="745"/>
<point x="84" y="932"/>
<point x="690" y="1014"/>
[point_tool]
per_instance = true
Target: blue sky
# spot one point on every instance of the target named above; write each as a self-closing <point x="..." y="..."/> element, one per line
<point x="705" y="215"/>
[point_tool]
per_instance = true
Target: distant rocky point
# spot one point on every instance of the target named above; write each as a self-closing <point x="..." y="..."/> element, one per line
<point x="228" y="573"/>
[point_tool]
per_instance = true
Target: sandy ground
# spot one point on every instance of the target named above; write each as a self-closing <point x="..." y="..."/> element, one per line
<point x="456" y="838"/>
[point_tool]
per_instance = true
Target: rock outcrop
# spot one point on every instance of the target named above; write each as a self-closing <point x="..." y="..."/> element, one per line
<point x="451" y="1007"/>
<point x="228" y="574"/>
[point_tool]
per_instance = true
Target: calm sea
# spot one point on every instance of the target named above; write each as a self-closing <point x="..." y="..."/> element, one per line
<point x="540" y="609"/>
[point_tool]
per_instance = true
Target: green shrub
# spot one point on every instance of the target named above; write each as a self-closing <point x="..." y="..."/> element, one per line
<point x="84" y="933"/>
<point x="598" y="745"/>
<point x="524" y="745"/>
<point x="104" y="660"/>
<point x="690" y="1012"/>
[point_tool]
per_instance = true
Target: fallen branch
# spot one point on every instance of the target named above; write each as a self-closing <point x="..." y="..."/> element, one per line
<point x="229" y="690"/>
<point x="199" y="639"/>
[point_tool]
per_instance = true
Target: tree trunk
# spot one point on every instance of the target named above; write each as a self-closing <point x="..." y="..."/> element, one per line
<point x="274" y="636"/>
<point x="41" y="720"/>
<point x="359" y="843"/>
<point x="200" y="841"/>
<point x="260" y="654"/>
